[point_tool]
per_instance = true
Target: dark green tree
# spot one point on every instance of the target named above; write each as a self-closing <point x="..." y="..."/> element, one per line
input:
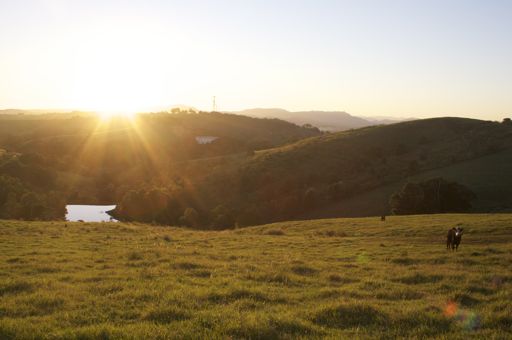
<point x="190" y="218"/>
<point x="432" y="196"/>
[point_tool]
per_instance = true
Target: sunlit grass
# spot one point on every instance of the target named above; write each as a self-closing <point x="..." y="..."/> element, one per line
<point x="343" y="278"/>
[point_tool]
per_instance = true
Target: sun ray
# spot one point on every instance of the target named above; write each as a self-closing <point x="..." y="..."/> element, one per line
<point x="79" y="159"/>
<point x="142" y="132"/>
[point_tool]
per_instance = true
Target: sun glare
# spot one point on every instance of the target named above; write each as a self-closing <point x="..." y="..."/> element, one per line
<point x="116" y="74"/>
<point x="107" y="115"/>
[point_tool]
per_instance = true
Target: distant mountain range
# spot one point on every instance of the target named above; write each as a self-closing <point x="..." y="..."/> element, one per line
<point x="324" y="120"/>
<point x="17" y="114"/>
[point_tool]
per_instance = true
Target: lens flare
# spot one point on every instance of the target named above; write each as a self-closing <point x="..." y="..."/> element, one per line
<point x="466" y="319"/>
<point x="451" y="309"/>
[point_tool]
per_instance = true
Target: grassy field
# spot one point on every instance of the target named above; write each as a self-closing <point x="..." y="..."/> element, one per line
<point x="488" y="177"/>
<point x="340" y="278"/>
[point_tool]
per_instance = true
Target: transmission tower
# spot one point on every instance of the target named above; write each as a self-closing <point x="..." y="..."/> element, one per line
<point x="214" y="105"/>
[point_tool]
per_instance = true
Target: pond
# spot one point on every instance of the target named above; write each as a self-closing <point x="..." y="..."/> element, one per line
<point x="89" y="213"/>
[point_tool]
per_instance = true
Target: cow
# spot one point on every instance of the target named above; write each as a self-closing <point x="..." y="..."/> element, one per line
<point x="453" y="238"/>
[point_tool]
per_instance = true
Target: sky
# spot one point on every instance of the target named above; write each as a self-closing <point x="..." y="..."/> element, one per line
<point x="369" y="58"/>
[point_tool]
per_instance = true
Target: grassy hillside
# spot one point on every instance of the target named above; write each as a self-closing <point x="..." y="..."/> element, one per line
<point x="286" y="182"/>
<point x="488" y="177"/>
<point x="162" y="130"/>
<point x="258" y="171"/>
<point x="343" y="278"/>
<point x="90" y="161"/>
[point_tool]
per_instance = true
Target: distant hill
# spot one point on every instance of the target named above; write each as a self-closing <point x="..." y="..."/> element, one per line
<point x="85" y="160"/>
<point x="384" y="120"/>
<point x="18" y="114"/>
<point x="26" y="112"/>
<point x="253" y="171"/>
<point x="160" y="129"/>
<point x="320" y="176"/>
<point x="324" y="120"/>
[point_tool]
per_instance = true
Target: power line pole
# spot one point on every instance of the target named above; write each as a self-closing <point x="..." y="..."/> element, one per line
<point x="214" y="105"/>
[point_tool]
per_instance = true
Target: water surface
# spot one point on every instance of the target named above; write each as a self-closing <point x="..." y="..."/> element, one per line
<point x="89" y="213"/>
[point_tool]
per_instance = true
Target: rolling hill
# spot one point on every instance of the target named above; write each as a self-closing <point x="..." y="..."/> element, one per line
<point x="46" y="162"/>
<point x="258" y="171"/>
<point x="488" y="177"/>
<point x="318" y="176"/>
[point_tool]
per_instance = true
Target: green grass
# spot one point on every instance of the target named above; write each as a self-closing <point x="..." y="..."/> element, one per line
<point x="488" y="177"/>
<point x="342" y="278"/>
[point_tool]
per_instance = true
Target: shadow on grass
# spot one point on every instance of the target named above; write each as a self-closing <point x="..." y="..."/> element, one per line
<point x="423" y="324"/>
<point x="166" y="315"/>
<point x="37" y="305"/>
<point x="481" y="290"/>
<point x="135" y="256"/>
<point x="419" y="279"/>
<point x="503" y="322"/>
<point x="335" y="278"/>
<point x="405" y="261"/>
<point x="399" y="295"/>
<point x="304" y="270"/>
<point x="240" y="294"/>
<point x="275" y="278"/>
<point x="350" y="316"/>
<point x="201" y="274"/>
<point x="335" y="293"/>
<point x="187" y="265"/>
<point x="16" y="287"/>
<point x="466" y="300"/>
<point x="274" y="329"/>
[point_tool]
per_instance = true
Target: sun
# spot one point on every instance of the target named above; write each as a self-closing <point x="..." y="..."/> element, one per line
<point x="115" y="76"/>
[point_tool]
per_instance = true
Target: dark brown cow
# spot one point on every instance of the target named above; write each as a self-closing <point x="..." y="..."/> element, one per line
<point x="454" y="237"/>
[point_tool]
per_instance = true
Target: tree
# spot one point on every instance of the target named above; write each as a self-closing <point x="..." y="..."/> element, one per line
<point x="408" y="200"/>
<point x="436" y="195"/>
<point x="252" y="215"/>
<point x="11" y="208"/>
<point x="190" y="217"/>
<point x="157" y="200"/>
<point x="133" y="205"/>
<point x="31" y="206"/>
<point x="222" y="218"/>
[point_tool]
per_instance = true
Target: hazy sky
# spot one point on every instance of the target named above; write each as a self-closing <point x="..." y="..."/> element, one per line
<point x="395" y="58"/>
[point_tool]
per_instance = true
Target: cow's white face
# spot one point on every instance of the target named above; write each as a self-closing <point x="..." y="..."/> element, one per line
<point x="458" y="232"/>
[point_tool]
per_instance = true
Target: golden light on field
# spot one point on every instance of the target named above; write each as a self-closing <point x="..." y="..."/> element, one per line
<point x="107" y="115"/>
